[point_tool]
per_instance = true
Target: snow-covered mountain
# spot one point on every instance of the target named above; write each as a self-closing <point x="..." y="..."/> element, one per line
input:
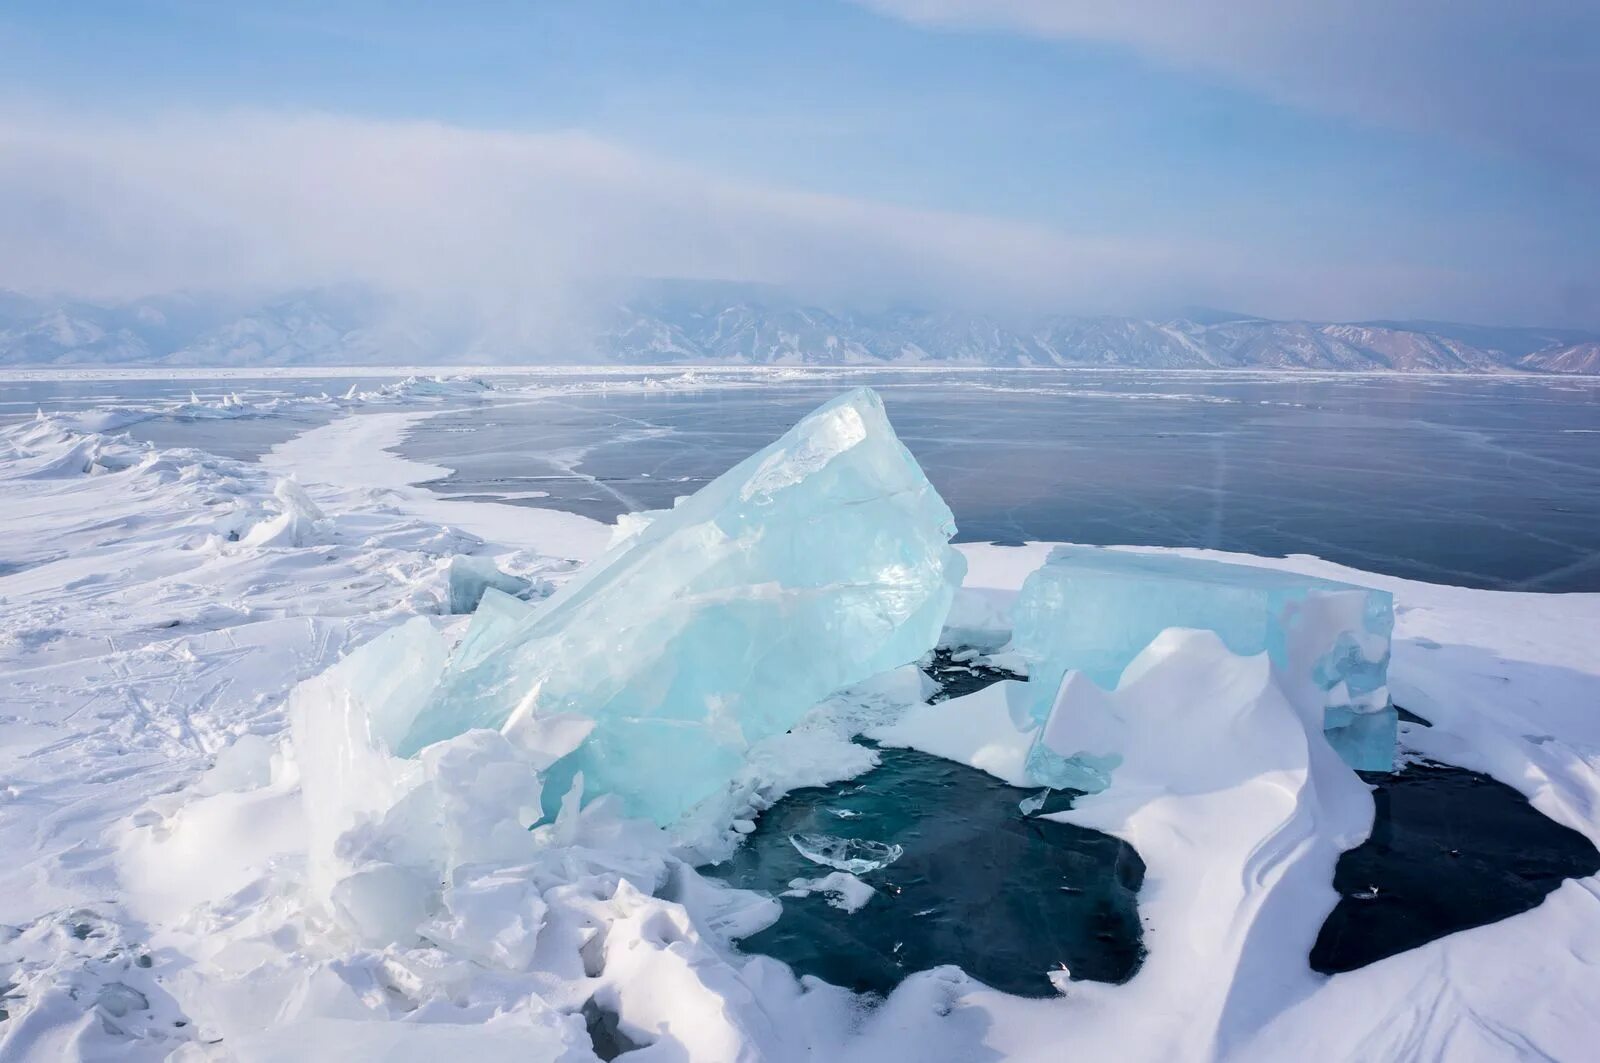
<point x="707" y="323"/>
<point x="684" y="322"/>
<point x="1581" y="357"/>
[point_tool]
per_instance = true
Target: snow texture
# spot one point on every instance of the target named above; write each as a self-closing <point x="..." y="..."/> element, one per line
<point x="212" y="851"/>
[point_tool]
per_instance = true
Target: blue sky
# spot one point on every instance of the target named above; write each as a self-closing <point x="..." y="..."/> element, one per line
<point x="1442" y="160"/>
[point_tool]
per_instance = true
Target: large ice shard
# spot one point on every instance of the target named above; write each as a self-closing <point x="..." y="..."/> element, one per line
<point x="1093" y="611"/>
<point x="493" y="623"/>
<point x="816" y="563"/>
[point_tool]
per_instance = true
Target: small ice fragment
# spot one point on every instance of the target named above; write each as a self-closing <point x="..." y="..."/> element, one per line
<point x="494" y="918"/>
<point x="1030" y="805"/>
<point x="117" y="999"/>
<point x="382" y="904"/>
<point x="844" y="813"/>
<point x="471" y="576"/>
<point x="845" y="854"/>
<point x="842" y="890"/>
<point x="1061" y="978"/>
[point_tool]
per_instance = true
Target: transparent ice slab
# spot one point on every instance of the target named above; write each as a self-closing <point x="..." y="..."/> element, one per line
<point x="853" y="855"/>
<point x="816" y="563"/>
<point x="1093" y="610"/>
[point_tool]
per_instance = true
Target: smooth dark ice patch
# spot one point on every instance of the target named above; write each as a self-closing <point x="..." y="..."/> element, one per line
<point x="979" y="885"/>
<point x="1450" y="849"/>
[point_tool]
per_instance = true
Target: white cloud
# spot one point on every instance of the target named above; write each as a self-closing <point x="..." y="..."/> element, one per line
<point x="250" y="201"/>
<point x="1517" y="75"/>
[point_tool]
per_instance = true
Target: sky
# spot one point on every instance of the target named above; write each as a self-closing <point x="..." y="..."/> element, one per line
<point x="1290" y="158"/>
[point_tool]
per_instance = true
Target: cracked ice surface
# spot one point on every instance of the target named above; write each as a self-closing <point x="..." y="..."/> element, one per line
<point x="813" y="564"/>
<point x="1093" y="611"/>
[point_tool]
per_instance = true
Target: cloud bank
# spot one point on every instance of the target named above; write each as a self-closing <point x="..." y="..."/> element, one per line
<point x="251" y="201"/>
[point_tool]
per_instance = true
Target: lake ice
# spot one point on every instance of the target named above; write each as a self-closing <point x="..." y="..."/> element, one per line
<point x="213" y="842"/>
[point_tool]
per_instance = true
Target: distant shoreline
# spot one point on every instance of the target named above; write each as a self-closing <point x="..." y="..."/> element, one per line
<point x="278" y="372"/>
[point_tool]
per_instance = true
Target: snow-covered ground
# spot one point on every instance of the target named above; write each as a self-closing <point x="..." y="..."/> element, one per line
<point x="161" y="873"/>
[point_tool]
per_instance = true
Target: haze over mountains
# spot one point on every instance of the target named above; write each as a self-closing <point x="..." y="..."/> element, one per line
<point x="714" y="323"/>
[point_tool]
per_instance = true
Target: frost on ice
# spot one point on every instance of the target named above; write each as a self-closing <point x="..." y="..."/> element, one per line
<point x="816" y="563"/>
<point x="1093" y="611"/>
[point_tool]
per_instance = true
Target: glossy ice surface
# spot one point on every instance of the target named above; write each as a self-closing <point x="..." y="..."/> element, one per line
<point x="1093" y="611"/>
<point x="817" y="562"/>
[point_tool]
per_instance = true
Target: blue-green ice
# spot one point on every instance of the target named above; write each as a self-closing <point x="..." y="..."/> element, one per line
<point x="1094" y="610"/>
<point x="815" y="563"/>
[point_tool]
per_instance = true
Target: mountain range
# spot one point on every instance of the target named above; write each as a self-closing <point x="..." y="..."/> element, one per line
<point x="706" y="323"/>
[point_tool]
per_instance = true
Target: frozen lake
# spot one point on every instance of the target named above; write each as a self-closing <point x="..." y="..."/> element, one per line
<point x="1482" y="482"/>
<point x="160" y="613"/>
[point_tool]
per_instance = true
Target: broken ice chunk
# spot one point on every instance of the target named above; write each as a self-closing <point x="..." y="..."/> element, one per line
<point x="493" y="622"/>
<point x="814" y="564"/>
<point x="1365" y="740"/>
<point x="471" y="576"/>
<point x="382" y="903"/>
<point x="841" y="889"/>
<point x="493" y="918"/>
<point x="343" y="722"/>
<point x="296" y="522"/>
<point x="1093" y="611"/>
<point x="1032" y="804"/>
<point x="852" y="855"/>
<point x="1080" y="770"/>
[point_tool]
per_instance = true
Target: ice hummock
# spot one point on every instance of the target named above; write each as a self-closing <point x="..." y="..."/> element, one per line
<point x="1093" y="611"/>
<point x="816" y="563"/>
